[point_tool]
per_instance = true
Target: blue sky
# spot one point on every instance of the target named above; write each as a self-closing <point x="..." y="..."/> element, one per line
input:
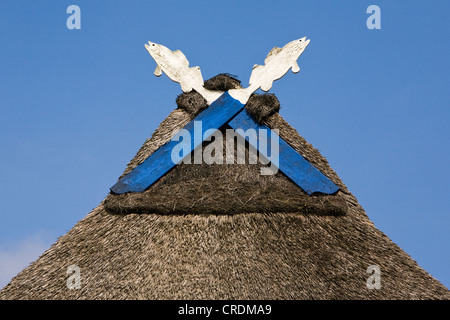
<point x="76" y="105"/>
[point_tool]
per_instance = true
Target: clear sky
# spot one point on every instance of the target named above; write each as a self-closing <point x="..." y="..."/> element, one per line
<point x="76" y="105"/>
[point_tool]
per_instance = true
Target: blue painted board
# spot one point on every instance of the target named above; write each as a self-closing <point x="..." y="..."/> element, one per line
<point x="291" y="163"/>
<point x="160" y="162"/>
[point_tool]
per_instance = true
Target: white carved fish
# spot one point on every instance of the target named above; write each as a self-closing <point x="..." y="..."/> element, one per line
<point x="277" y="63"/>
<point x="176" y="66"/>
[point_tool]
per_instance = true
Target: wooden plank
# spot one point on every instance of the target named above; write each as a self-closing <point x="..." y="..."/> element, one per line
<point x="160" y="162"/>
<point x="291" y="163"/>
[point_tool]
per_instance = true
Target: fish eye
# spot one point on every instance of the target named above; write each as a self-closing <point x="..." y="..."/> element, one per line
<point x="153" y="44"/>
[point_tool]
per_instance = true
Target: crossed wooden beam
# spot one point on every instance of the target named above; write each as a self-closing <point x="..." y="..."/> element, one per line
<point x="227" y="108"/>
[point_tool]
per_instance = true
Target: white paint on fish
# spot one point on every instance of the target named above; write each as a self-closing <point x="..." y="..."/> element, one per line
<point x="277" y="63"/>
<point x="176" y="66"/>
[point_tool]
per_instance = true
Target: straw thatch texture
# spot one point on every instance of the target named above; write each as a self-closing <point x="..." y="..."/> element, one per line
<point x="191" y="102"/>
<point x="251" y="255"/>
<point x="261" y="106"/>
<point x="222" y="82"/>
<point x="243" y="256"/>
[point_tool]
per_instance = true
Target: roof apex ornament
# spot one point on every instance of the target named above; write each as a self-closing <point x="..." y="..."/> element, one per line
<point x="176" y="66"/>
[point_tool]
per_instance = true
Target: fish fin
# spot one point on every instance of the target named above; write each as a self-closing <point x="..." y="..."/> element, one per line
<point x="271" y="54"/>
<point x="185" y="87"/>
<point x="266" y="86"/>
<point x="158" y="71"/>
<point x="182" y="57"/>
<point x="295" y="67"/>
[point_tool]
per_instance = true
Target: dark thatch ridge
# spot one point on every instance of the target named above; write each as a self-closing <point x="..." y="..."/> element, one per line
<point x="222" y="82"/>
<point x="191" y="102"/>
<point x="264" y="255"/>
<point x="262" y="106"/>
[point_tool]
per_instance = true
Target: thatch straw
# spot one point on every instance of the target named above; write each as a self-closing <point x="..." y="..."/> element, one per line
<point x="191" y="102"/>
<point x="261" y="106"/>
<point x="251" y="255"/>
<point x="242" y="256"/>
<point x="222" y="82"/>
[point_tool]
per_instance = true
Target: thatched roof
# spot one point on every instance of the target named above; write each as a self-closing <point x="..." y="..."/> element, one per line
<point x="225" y="232"/>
